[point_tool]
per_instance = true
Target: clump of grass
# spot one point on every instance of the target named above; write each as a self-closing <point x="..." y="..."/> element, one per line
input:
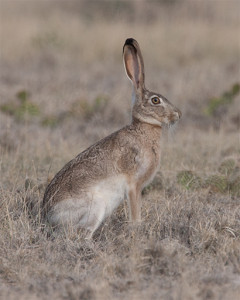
<point x="23" y="109"/>
<point x="226" y="180"/>
<point x="215" y="103"/>
<point x="217" y="183"/>
<point x="87" y="109"/>
<point x="231" y="170"/>
<point x="189" y="180"/>
<point x="234" y="182"/>
<point x="158" y="261"/>
<point x="227" y="166"/>
<point x="156" y="184"/>
<point x="50" y="121"/>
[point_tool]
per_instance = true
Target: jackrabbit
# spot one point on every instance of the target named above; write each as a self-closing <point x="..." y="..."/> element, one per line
<point x="92" y="185"/>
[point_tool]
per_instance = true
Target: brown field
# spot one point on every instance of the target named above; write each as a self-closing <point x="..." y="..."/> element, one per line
<point x="63" y="87"/>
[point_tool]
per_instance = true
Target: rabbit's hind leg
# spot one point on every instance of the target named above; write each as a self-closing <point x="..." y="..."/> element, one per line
<point x="68" y="212"/>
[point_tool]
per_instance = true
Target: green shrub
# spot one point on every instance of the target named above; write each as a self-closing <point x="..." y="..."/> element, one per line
<point x="189" y="180"/>
<point x="50" y="121"/>
<point x="23" y="109"/>
<point x="224" y="100"/>
<point x="227" y="166"/>
<point x="234" y="182"/>
<point x="87" y="109"/>
<point x="217" y="183"/>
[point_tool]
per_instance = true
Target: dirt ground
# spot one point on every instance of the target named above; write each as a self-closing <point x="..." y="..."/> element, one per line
<point x="62" y="88"/>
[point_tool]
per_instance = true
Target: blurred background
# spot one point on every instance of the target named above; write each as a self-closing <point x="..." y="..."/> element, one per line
<point x="62" y="76"/>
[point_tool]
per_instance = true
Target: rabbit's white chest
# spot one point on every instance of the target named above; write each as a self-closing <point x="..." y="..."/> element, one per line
<point x="148" y="166"/>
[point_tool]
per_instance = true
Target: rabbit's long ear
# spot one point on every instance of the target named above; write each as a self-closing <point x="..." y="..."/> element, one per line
<point x="133" y="62"/>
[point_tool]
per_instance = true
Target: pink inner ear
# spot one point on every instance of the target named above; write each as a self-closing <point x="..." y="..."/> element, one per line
<point x="132" y="67"/>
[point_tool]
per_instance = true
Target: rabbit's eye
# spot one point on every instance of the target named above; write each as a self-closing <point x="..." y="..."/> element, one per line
<point x="155" y="100"/>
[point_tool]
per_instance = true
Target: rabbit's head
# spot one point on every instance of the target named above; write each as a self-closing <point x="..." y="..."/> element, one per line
<point x="148" y="107"/>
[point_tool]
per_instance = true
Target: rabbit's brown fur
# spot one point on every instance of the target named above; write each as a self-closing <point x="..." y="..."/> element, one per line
<point x="94" y="183"/>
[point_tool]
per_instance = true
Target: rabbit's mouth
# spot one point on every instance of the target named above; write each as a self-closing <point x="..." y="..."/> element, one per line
<point x="175" y="117"/>
<point x="172" y="123"/>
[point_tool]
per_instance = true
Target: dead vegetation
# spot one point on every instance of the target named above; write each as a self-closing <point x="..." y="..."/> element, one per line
<point x="62" y="87"/>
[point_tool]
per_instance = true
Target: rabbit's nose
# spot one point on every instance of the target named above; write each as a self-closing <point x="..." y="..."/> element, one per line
<point x="179" y="113"/>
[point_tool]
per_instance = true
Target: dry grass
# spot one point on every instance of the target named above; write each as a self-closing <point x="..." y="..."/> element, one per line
<point x="65" y="58"/>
